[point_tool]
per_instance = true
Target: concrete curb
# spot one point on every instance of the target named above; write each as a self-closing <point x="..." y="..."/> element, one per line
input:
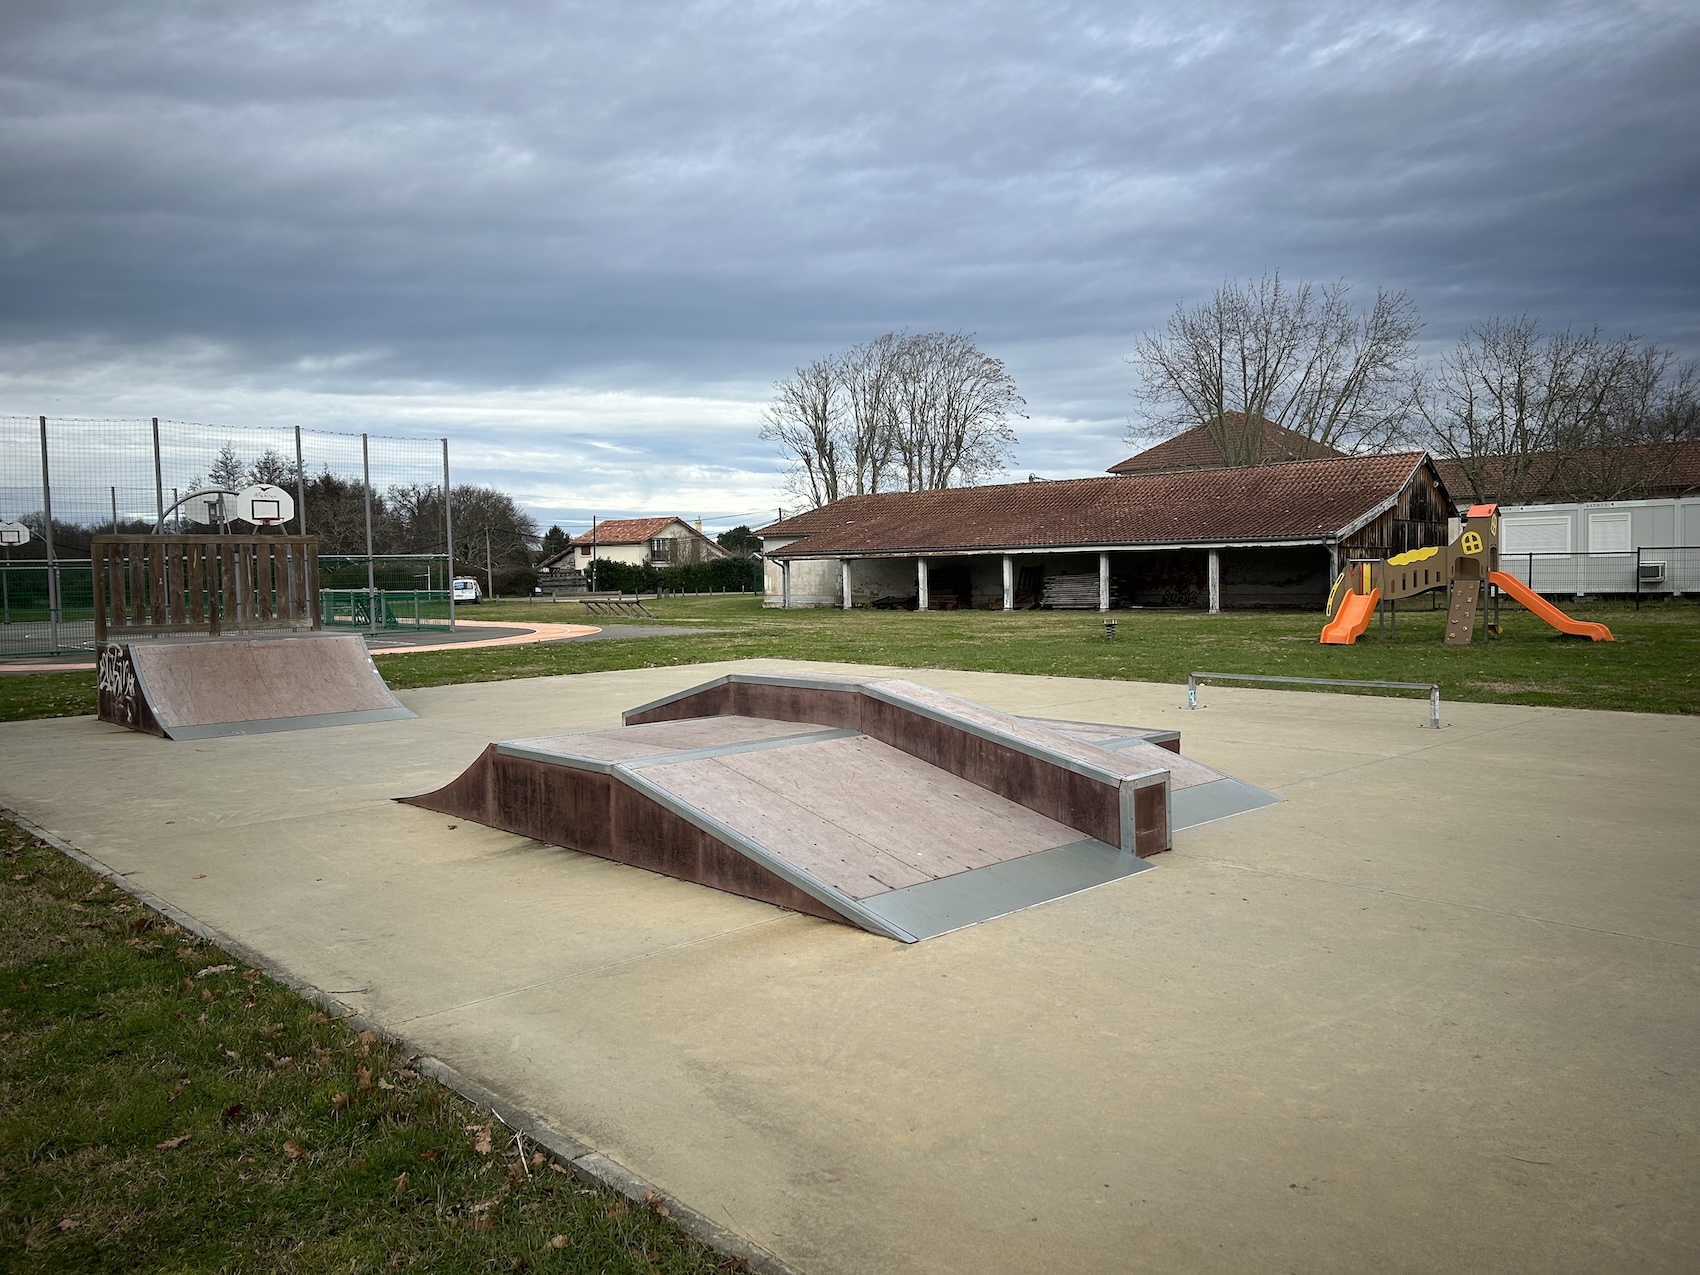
<point x="585" y="1163"/>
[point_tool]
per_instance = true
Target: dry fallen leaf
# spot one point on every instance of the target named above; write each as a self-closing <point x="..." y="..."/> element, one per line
<point x="481" y="1138"/>
<point x="250" y="975"/>
<point x="66" y="1223"/>
<point x="384" y="1084"/>
<point x="320" y="1017"/>
<point x="275" y="1030"/>
<point x="207" y="996"/>
<point x="171" y="1144"/>
<point x="364" y="1076"/>
<point x="232" y="1112"/>
<point x="233" y="1055"/>
<point x="537" y="1158"/>
<point x="559" y="1241"/>
<point x="199" y="876"/>
<point x="560" y="1168"/>
<point x="401" y="1182"/>
<point x="214" y="969"/>
<point x="280" y="1063"/>
<point x="339" y="1102"/>
<point x="294" y="1151"/>
<point x="430" y="1153"/>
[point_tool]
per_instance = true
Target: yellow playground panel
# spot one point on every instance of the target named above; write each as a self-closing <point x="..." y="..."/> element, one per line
<point x="1469" y="564"/>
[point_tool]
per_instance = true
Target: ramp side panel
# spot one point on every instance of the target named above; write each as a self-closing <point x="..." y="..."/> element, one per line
<point x="597" y="814"/>
<point x="259" y="679"/>
<point x="1539" y="606"/>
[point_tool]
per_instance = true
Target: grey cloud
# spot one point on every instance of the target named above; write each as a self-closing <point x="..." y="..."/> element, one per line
<point x="352" y="199"/>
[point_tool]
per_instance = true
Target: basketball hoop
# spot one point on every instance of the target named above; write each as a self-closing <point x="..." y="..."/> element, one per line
<point x="13" y="534"/>
<point x="264" y="505"/>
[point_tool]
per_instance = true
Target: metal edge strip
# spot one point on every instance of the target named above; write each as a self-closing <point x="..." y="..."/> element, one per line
<point x="741" y="746"/>
<point x="815" y="889"/>
<point x="1235" y="798"/>
<point x="722" y="680"/>
<point x="1008" y="887"/>
<point x="594" y="765"/>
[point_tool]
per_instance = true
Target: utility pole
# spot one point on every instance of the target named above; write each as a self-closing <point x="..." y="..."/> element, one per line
<point x="489" y="575"/>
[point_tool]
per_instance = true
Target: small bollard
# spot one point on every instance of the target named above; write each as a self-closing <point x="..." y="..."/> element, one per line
<point x="1109" y="630"/>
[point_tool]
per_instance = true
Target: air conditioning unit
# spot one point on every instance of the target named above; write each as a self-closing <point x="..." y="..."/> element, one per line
<point x="1652" y="572"/>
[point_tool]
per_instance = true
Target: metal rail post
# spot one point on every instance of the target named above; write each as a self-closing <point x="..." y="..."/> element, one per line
<point x="1432" y="689"/>
<point x="449" y="533"/>
<point x="158" y="485"/>
<point x="371" y="581"/>
<point x="300" y="487"/>
<point x="47" y="542"/>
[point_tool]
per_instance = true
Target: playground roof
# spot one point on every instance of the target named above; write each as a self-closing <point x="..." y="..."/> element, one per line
<point x="1307" y="501"/>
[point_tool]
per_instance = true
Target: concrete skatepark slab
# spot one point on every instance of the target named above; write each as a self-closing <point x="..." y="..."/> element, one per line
<point x="1436" y="1010"/>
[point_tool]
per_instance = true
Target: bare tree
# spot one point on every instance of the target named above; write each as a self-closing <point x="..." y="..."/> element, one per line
<point x="1530" y="416"/>
<point x="901" y="411"/>
<point x="954" y="407"/>
<point x="805" y="419"/>
<point x="1300" y="357"/>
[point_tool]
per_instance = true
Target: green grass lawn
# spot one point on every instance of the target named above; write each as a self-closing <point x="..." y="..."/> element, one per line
<point x="1654" y="666"/>
<point x="164" y="1109"/>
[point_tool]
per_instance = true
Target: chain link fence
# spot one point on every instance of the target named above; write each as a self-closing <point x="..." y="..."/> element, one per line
<point x="1648" y="572"/>
<point x="376" y="503"/>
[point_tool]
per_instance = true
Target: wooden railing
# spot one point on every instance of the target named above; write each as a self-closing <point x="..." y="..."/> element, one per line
<point x="154" y="585"/>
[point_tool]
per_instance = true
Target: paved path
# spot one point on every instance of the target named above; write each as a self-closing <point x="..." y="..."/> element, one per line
<point x="1436" y="1012"/>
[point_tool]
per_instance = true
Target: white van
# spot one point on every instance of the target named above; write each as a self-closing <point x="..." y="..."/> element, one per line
<point x="466" y="590"/>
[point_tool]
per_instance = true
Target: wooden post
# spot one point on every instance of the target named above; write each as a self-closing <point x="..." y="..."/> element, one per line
<point x="922" y="602"/>
<point x="844" y="568"/>
<point x="1103" y="581"/>
<point x="1008" y="583"/>
<point x="1215" y="581"/>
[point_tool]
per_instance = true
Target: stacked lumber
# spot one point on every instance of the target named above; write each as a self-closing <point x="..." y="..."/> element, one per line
<point x="1069" y="592"/>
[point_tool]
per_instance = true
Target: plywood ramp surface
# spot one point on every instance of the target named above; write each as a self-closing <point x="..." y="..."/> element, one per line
<point x="861" y="815"/>
<point x="208" y="684"/>
<point x="628" y="743"/>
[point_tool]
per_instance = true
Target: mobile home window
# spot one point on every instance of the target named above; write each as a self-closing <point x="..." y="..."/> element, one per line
<point x="1536" y="535"/>
<point x="1608" y="533"/>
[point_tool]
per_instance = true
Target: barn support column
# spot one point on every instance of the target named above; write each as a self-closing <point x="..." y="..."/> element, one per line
<point x="1104" y="581"/>
<point x="1008" y="583"/>
<point x="921" y="583"/>
<point x="844" y="569"/>
<point x="1215" y="581"/>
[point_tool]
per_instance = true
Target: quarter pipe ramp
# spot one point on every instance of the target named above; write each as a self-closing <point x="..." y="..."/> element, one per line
<point x="204" y="688"/>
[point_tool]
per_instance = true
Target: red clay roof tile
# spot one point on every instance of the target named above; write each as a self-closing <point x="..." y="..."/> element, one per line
<point x="1293" y="501"/>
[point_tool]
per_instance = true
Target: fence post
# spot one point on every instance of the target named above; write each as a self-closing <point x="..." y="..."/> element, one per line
<point x="300" y="487"/>
<point x="47" y="543"/>
<point x="371" y="584"/>
<point x="158" y="485"/>
<point x="449" y="534"/>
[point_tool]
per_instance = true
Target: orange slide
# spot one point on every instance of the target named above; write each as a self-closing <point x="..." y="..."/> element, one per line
<point x="1515" y="588"/>
<point x="1352" y="619"/>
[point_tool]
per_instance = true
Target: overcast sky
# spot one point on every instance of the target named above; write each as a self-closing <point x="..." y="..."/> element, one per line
<point x="583" y="240"/>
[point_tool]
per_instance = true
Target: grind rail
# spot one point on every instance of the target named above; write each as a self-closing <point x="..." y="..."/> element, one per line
<point x="1431" y="689"/>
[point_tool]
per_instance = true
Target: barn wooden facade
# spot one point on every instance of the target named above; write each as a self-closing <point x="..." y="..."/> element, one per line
<point x="1262" y="536"/>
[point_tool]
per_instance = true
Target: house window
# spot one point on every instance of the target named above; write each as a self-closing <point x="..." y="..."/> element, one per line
<point x="661" y="549"/>
<point x="1608" y="533"/>
<point x="584" y="551"/>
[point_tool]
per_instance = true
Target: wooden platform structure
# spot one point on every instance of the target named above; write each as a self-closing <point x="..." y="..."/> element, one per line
<point x="149" y="586"/>
<point x="876" y="802"/>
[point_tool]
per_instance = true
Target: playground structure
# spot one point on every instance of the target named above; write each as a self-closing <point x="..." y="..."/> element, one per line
<point x="205" y="636"/>
<point x="1464" y="568"/>
<point x="871" y="801"/>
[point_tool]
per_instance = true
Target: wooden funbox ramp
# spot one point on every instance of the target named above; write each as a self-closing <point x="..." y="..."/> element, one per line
<point x="202" y="688"/>
<point x="874" y="801"/>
